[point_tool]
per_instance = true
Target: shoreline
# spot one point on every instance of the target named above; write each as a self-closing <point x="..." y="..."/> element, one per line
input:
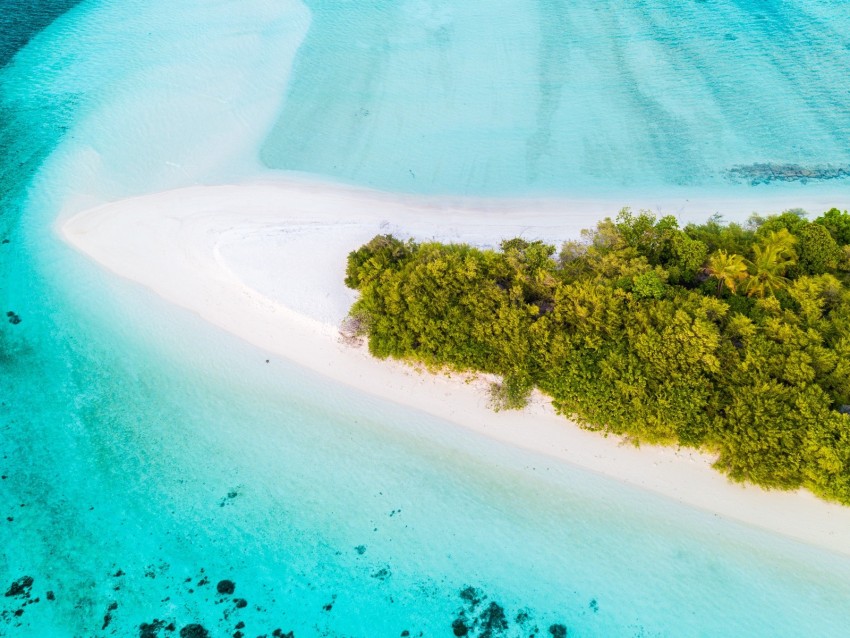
<point x="246" y="259"/>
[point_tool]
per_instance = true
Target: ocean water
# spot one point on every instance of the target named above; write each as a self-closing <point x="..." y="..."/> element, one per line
<point x="584" y="98"/>
<point x="145" y="455"/>
<point x="19" y="22"/>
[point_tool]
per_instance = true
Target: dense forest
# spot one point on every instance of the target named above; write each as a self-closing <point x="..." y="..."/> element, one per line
<point x="734" y="338"/>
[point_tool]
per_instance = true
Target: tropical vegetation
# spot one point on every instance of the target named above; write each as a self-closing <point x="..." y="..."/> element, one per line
<point x="733" y="338"/>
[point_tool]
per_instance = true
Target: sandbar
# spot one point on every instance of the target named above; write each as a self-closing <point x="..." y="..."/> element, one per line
<point x="265" y="261"/>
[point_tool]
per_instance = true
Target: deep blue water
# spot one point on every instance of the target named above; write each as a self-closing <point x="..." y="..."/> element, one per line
<point x="21" y="153"/>
<point x="20" y="21"/>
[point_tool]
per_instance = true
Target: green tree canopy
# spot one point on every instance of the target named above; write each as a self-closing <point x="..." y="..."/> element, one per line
<point x="838" y="224"/>
<point x="728" y="270"/>
<point x="817" y="249"/>
<point x="644" y="330"/>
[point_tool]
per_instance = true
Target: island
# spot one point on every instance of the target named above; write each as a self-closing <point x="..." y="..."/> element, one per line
<point x="726" y="337"/>
<point x="266" y="261"/>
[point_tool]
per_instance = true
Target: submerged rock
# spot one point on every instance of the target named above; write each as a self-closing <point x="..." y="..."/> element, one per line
<point x="151" y="629"/>
<point x="471" y="596"/>
<point x="226" y="587"/>
<point x="230" y="496"/>
<point x="107" y="617"/>
<point x="382" y="574"/>
<point x="765" y="173"/>
<point x="459" y="627"/>
<point x="194" y="631"/>
<point x="558" y="631"/>
<point x="493" y="621"/>
<point x="21" y="587"/>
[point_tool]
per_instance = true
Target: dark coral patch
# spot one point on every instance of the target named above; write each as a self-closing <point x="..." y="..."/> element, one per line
<point x="459" y="627"/>
<point x="225" y="587"/>
<point x="471" y="596"/>
<point x="382" y="574"/>
<point x="764" y="173"/>
<point x="151" y="629"/>
<point x="194" y="631"/>
<point x="558" y="631"/>
<point x="21" y="587"/>
<point x="493" y="621"/>
<point x="107" y="617"/>
<point x="230" y="496"/>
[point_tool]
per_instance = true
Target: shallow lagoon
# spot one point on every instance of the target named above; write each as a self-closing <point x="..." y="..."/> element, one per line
<point x="146" y="453"/>
<point x="582" y="98"/>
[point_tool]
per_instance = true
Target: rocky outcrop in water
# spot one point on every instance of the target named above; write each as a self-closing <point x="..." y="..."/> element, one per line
<point x="756" y="174"/>
<point x="21" y="587"/>
<point x="558" y="631"/>
<point x="194" y="631"/>
<point x="151" y="629"/>
<point x="478" y="618"/>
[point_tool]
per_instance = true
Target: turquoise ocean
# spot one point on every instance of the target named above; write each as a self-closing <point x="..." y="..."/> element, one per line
<point x="146" y="456"/>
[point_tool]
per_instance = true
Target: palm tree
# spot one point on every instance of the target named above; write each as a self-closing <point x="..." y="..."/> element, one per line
<point x="770" y="260"/>
<point x="766" y="276"/>
<point x="782" y="242"/>
<point x="728" y="269"/>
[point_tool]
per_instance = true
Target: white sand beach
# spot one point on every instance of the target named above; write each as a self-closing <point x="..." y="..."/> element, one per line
<point x="265" y="261"/>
